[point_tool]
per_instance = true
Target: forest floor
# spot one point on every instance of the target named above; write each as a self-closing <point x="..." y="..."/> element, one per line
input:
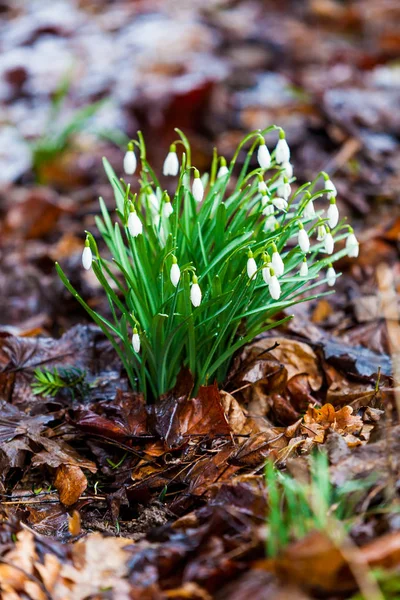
<point x="104" y="497"/>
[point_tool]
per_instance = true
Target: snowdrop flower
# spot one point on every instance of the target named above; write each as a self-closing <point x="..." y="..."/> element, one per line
<point x="266" y="266"/>
<point x="195" y="292"/>
<point x="269" y="210"/>
<point x="352" y="245"/>
<point x="270" y="224"/>
<point x="280" y="203"/>
<point x="171" y="163"/>
<point x="153" y="201"/>
<point x="333" y="213"/>
<point x="329" y="186"/>
<point x="284" y="189"/>
<point x="223" y="170"/>
<point x="87" y="256"/>
<point x="328" y="241"/>
<point x="130" y="162"/>
<point x="288" y="169"/>
<point x="331" y="276"/>
<point x="175" y="273"/>
<point x="263" y="155"/>
<point x="321" y="233"/>
<point x="277" y="262"/>
<point x="251" y="265"/>
<point x="136" y="340"/>
<point x="167" y="208"/>
<point x="304" y="268"/>
<point x="135" y="226"/>
<point x="282" y="150"/>
<point x="262" y="186"/>
<point x="274" y="287"/>
<point x="309" y="210"/>
<point x="197" y="187"/>
<point x="302" y="239"/>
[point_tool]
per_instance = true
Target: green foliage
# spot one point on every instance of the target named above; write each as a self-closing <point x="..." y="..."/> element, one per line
<point x="296" y="508"/>
<point x="211" y="241"/>
<point x="48" y="382"/>
<point x="388" y="582"/>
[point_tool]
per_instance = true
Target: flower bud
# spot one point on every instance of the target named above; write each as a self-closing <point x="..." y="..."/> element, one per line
<point x="333" y="213"/>
<point x="352" y="245"/>
<point x="304" y="268"/>
<point x="223" y="170"/>
<point x="282" y="150"/>
<point x="175" y="273"/>
<point x="277" y="262"/>
<point x="274" y="286"/>
<point x="302" y="239"/>
<point x="331" y="276"/>
<point x="136" y="340"/>
<point x="263" y="155"/>
<point x="197" y="187"/>
<point x="195" y="292"/>
<point x="328" y="241"/>
<point x="251" y="265"/>
<point x="135" y="226"/>
<point x="87" y="256"/>
<point x="171" y="163"/>
<point x="130" y="162"/>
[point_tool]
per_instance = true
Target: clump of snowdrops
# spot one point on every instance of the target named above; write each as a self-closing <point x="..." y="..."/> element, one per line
<point x="193" y="276"/>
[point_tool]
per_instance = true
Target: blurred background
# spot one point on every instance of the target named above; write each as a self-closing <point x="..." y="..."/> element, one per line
<point x="78" y="78"/>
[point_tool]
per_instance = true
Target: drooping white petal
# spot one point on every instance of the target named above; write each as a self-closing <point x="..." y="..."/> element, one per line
<point x="263" y="156"/>
<point x="304" y="269"/>
<point x="309" y="210"/>
<point x="171" y="164"/>
<point x="274" y="287"/>
<point x="136" y="342"/>
<point x="329" y="243"/>
<point x="266" y="274"/>
<point x="288" y="169"/>
<point x="331" y="276"/>
<point x="135" y="226"/>
<point x="130" y="162"/>
<point x="251" y="267"/>
<point x="303" y="240"/>
<point x="330" y="187"/>
<point x="87" y="258"/>
<point x="195" y="294"/>
<point x="284" y="190"/>
<point x="197" y="189"/>
<point x="280" y="203"/>
<point x="268" y="210"/>
<point x="262" y="187"/>
<point x="154" y="202"/>
<point x="277" y="264"/>
<point x="222" y="171"/>
<point x="333" y="216"/>
<point x="321" y="233"/>
<point x="175" y="274"/>
<point x="270" y="224"/>
<point x="167" y="209"/>
<point x="352" y="245"/>
<point x="282" y="152"/>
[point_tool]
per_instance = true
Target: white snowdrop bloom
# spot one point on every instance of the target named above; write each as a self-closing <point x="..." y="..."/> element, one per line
<point x="167" y="209"/>
<point x="266" y="273"/>
<point x="87" y="257"/>
<point x="175" y="273"/>
<point x="135" y="226"/>
<point x="171" y="163"/>
<point x="195" y="292"/>
<point x="262" y="187"/>
<point x="280" y="203"/>
<point x="274" y="286"/>
<point x="284" y="190"/>
<point x="270" y="224"/>
<point x="309" y="210"/>
<point x="263" y="156"/>
<point x="251" y="265"/>
<point x="197" y="187"/>
<point x="130" y="162"/>
<point x="352" y="245"/>
<point x="288" y="169"/>
<point x="282" y="150"/>
<point x="331" y="276"/>
<point x="304" y="268"/>
<point x="303" y="240"/>
<point x="329" y="243"/>
<point x="321" y="232"/>
<point x="223" y="170"/>
<point x="264" y="201"/>
<point x="269" y="209"/>
<point x="333" y="214"/>
<point x="330" y="187"/>
<point x="154" y="202"/>
<point x="277" y="263"/>
<point x="136" y="341"/>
